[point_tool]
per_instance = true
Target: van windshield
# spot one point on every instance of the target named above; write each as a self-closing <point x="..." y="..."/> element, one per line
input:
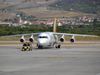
<point x="26" y="44"/>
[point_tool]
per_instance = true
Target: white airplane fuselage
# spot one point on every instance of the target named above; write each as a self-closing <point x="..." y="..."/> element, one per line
<point x="46" y="39"/>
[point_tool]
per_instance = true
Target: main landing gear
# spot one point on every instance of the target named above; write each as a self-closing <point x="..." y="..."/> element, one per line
<point x="57" y="45"/>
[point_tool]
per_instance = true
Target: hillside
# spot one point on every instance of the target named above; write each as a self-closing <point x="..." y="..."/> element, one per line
<point x="3" y="6"/>
<point x="67" y="8"/>
<point x="42" y="12"/>
<point x="50" y="8"/>
<point x="11" y="6"/>
<point x="85" y="6"/>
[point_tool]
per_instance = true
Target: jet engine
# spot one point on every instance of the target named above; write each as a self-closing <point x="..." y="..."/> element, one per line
<point x="22" y="40"/>
<point x="62" y="39"/>
<point x="72" y="40"/>
<point x="31" y="39"/>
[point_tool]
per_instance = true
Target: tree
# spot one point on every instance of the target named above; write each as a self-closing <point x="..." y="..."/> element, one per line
<point x="6" y="20"/>
<point x="95" y="21"/>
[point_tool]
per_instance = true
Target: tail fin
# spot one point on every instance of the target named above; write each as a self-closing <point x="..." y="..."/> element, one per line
<point x="55" y="25"/>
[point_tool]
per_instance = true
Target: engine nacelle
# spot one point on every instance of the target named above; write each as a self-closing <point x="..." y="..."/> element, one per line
<point x="62" y="39"/>
<point x="72" y="40"/>
<point x="22" y="40"/>
<point x="31" y="39"/>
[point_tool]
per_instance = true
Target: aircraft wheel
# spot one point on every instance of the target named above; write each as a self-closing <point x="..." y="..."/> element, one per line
<point x="37" y="45"/>
<point x="58" y="46"/>
<point x="55" y="45"/>
<point x="40" y="47"/>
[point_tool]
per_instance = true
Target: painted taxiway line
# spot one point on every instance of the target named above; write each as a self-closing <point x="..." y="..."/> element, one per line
<point x="88" y="51"/>
<point x="10" y="52"/>
<point x="54" y="57"/>
<point x="11" y="45"/>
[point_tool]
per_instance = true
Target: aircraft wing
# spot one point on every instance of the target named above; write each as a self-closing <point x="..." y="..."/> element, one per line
<point x="74" y="34"/>
<point x="21" y="35"/>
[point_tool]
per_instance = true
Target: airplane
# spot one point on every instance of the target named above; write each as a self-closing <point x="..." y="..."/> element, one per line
<point x="48" y="39"/>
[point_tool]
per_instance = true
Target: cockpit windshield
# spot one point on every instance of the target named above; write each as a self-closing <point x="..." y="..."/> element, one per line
<point x="42" y="37"/>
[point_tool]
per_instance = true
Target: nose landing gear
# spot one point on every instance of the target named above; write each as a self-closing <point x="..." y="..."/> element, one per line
<point x="39" y="47"/>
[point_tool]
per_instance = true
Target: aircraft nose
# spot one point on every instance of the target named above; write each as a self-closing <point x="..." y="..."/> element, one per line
<point x="42" y="42"/>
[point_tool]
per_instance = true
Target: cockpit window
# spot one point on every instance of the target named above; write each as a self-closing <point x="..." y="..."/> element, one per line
<point x="42" y="37"/>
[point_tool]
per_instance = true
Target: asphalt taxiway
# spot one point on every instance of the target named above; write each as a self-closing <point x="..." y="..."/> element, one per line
<point x="74" y="59"/>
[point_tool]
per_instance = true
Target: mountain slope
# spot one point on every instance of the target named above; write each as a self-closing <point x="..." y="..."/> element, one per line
<point x="52" y="8"/>
<point x="63" y="8"/>
<point x="85" y="6"/>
